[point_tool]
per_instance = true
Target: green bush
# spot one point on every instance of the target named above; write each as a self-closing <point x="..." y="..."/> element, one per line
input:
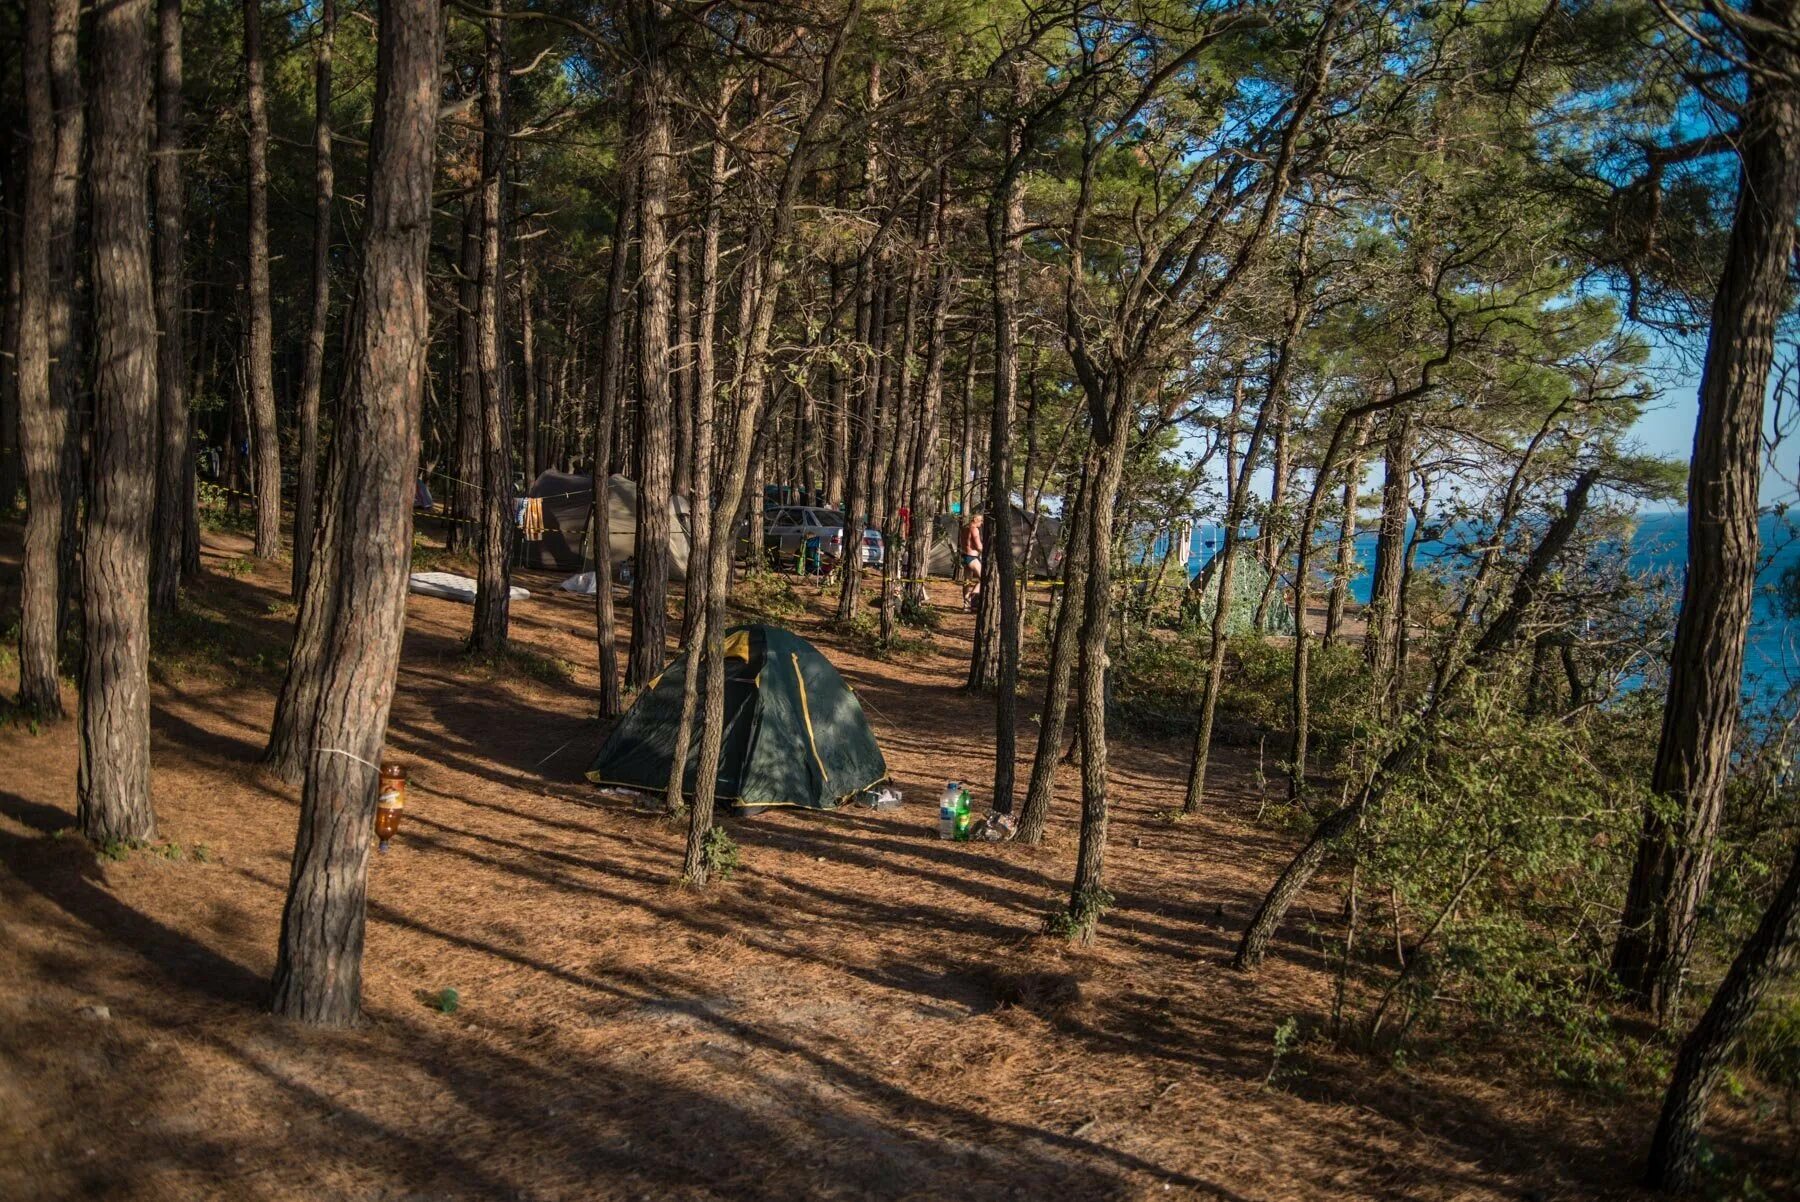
<point x="767" y="595"/>
<point x="1502" y="855"/>
<point x="1772" y="1042"/>
<point x="720" y="853"/>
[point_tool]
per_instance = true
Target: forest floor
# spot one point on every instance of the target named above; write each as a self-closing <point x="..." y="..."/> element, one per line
<point x="861" y="1011"/>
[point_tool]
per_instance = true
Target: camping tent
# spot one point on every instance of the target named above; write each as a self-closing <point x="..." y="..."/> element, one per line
<point x="568" y="541"/>
<point x="1045" y="557"/>
<point x="794" y="731"/>
<point x="1248" y="580"/>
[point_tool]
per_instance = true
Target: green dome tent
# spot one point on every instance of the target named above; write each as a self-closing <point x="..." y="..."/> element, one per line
<point x="1248" y="580"/>
<point x="794" y="731"/>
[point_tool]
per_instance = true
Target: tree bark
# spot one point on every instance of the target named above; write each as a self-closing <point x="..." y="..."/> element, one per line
<point x="1041" y="790"/>
<point x="919" y="538"/>
<point x="312" y="373"/>
<point x="1341" y="580"/>
<point x="701" y="498"/>
<point x="68" y="310"/>
<point x="681" y="351"/>
<point x="650" y="556"/>
<point x="1087" y="894"/>
<point x="1674" y="860"/>
<point x="529" y="399"/>
<point x="856" y="500"/>
<point x="43" y="418"/>
<point x="113" y="782"/>
<point x="12" y="156"/>
<point x="606" y="437"/>
<point x="318" y="972"/>
<point x="465" y="501"/>
<point x="898" y="441"/>
<point x="1005" y="223"/>
<point x="265" y="442"/>
<point x="763" y="254"/>
<point x="1382" y="637"/>
<point x="174" y="450"/>
<point x="493" y="582"/>
<point x="1675" y="1148"/>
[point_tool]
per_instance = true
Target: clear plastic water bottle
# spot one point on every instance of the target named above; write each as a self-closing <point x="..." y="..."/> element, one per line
<point x="947" y="809"/>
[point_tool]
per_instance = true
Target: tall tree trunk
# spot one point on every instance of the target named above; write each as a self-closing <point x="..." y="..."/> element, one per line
<point x="174" y="448"/>
<point x="12" y="157"/>
<point x="1041" y="790"/>
<point x="765" y="272"/>
<point x="528" y="381"/>
<point x="1419" y="735"/>
<point x="113" y="783"/>
<point x="606" y="439"/>
<point x="1674" y="860"/>
<point x="1088" y="896"/>
<point x="466" y="462"/>
<point x="705" y="444"/>
<point x="493" y="584"/>
<point x="856" y="500"/>
<point x="1381" y="640"/>
<point x="312" y="373"/>
<point x="318" y="971"/>
<point x="681" y="351"/>
<point x="650" y="557"/>
<point x="265" y="442"/>
<point x="837" y="463"/>
<point x="869" y="324"/>
<point x="924" y="528"/>
<point x="1345" y="574"/>
<point x="701" y="499"/>
<point x="1272" y="409"/>
<point x="1675" y="1148"/>
<point x="898" y="440"/>
<point x="43" y="418"/>
<point x="1005" y="225"/>
<point x="68" y="309"/>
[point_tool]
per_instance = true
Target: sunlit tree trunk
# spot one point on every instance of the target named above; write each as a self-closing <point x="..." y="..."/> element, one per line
<point x="1706" y="667"/>
<point x="1063" y="654"/>
<point x="1088" y="894"/>
<point x="1345" y="575"/>
<point x="1005" y="225"/>
<point x="318" y="971"/>
<point x="1382" y="638"/>
<point x="113" y="782"/>
<point x="1709" y="1050"/>
<point x="699" y="545"/>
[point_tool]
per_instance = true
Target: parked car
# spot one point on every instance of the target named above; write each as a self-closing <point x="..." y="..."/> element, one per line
<point x="787" y="528"/>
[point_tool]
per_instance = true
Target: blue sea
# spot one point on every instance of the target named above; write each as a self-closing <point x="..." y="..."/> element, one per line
<point x="1659" y="545"/>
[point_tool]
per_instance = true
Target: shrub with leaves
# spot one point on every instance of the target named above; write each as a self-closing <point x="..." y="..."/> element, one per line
<point x="1496" y="865"/>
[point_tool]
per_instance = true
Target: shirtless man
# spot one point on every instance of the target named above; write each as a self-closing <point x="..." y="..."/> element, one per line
<point x="971" y="557"/>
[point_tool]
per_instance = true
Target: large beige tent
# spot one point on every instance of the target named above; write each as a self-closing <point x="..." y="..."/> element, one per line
<point x="568" y="542"/>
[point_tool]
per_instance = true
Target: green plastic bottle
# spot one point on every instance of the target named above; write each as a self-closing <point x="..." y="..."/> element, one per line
<point x="962" y="817"/>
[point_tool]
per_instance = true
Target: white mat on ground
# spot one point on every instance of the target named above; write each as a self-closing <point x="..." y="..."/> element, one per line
<point x="452" y="587"/>
<point x="581" y="582"/>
